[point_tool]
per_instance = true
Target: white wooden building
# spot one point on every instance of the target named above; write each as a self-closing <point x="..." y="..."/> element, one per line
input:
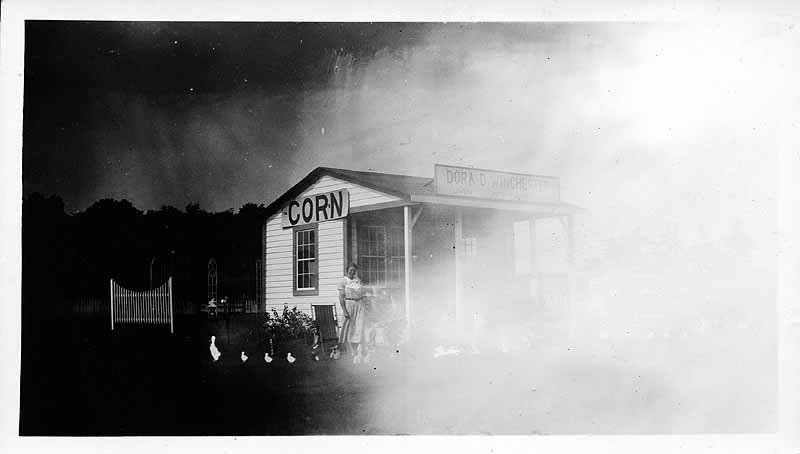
<point x="463" y="230"/>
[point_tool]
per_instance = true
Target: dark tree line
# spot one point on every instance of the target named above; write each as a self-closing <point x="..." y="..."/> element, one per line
<point x="74" y="255"/>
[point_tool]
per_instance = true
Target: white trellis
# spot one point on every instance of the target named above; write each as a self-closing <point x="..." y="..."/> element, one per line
<point x="149" y="307"/>
<point x="212" y="280"/>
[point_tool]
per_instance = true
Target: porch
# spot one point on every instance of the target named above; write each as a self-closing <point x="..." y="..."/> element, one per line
<point x="474" y="270"/>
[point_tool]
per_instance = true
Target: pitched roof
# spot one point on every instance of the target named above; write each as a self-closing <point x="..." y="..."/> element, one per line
<point x="403" y="186"/>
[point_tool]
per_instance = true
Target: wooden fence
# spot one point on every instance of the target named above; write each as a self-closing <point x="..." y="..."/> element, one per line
<point x="99" y="306"/>
<point x="90" y="306"/>
<point x="241" y="305"/>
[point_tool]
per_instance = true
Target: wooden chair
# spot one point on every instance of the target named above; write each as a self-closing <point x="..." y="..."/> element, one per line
<point x="325" y="318"/>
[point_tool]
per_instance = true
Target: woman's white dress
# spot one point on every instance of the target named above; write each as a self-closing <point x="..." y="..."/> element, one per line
<point x="353" y="327"/>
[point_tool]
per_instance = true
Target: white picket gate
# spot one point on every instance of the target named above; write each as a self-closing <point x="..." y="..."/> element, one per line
<point x="149" y="307"/>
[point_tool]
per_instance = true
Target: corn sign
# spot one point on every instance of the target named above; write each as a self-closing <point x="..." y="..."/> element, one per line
<point x="316" y="208"/>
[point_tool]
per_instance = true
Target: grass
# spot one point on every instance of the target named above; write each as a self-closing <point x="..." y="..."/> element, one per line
<point x="80" y="379"/>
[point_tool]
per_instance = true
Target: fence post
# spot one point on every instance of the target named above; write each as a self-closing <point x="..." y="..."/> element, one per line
<point x="112" y="303"/>
<point x="170" y="306"/>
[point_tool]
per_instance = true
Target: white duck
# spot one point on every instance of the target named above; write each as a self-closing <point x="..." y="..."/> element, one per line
<point x="214" y="350"/>
<point x="290" y="358"/>
<point x="267" y="358"/>
<point x="244" y="358"/>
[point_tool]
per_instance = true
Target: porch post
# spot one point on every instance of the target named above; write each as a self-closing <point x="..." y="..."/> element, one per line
<point x="353" y="225"/>
<point x="458" y="242"/>
<point x="111" y="285"/>
<point x="534" y="285"/>
<point x="407" y="264"/>
<point x="570" y="227"/>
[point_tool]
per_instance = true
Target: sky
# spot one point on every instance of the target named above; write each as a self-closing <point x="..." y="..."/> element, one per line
<point x="174" y="113"/>
<point x="648" y="125"/>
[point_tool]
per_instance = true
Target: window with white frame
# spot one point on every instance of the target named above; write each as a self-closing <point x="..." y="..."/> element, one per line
<point x="305" y="261"/>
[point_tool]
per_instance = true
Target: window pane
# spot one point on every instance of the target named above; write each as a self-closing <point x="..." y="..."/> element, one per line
<point x="376" y="248"/>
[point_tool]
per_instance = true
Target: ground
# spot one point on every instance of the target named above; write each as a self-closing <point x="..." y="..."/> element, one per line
<point x="80" y="379"/>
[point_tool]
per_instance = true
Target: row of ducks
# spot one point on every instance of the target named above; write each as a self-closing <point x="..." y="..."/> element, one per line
<point x="215" y="354"/>
<point x="357" y="359"/>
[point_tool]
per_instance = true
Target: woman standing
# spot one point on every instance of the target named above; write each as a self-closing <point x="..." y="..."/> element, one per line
<point x="351" y="299"/>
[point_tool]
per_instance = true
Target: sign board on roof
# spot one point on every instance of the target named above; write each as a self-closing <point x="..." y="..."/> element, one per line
<point x="490" y="184"/>
<point x="316" y="208"/>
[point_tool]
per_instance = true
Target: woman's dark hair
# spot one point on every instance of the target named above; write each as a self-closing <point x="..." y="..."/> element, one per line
<point x="352" y="265"/>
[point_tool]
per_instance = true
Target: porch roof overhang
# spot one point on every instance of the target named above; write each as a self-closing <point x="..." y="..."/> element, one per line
<point x="538" y="209"/>
<point x="411" y="190"/>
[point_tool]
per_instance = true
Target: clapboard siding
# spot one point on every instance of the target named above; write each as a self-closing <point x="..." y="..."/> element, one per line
<point x="281" y="270"/>
<point x="306" y="308"/>
<point x="281" y="243"/>
<point x="279" y="308"/>
<point x="359" y="195"/>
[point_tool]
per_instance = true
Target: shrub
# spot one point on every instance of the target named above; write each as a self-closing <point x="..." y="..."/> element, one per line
<point x="290" y="324"/>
